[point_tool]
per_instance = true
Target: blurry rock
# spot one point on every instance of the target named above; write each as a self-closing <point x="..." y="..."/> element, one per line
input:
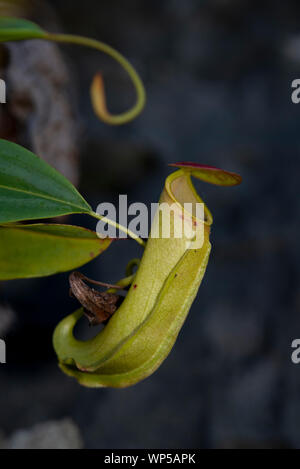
<point x="38" y="99"/>
<point x="39" y="112"/>
<point x="49" y="435"/>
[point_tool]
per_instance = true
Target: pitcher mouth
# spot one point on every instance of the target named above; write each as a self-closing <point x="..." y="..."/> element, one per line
<point x="186" y="194"/>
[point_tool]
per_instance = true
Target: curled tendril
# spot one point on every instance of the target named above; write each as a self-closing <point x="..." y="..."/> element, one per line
<point x="98" y="90"/>
<point x="18" y="29"/>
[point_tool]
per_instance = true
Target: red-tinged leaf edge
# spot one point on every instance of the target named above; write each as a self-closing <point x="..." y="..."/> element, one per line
<point x="210" y="174"/>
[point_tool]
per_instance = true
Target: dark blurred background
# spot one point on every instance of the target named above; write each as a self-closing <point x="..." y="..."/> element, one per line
<point x="218" y="76"/>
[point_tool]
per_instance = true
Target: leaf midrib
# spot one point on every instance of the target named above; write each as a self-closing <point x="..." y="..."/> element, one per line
<point x="42" y="196"/>
<point x="54" y="235"/>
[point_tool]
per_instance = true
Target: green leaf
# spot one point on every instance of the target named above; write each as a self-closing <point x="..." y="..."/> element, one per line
<point x="17" y="29"/>
<point x="40" y="250"/>
<point x="31" y="189"/>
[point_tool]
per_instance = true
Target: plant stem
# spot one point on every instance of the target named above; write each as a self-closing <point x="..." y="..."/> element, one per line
<point x="98" y="95"/>
<point x="124" y="283"/>
<point x="133" y="263"/>
<point x="130" y="233"/>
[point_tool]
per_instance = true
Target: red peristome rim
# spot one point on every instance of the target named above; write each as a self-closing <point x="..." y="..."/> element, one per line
<point x="190" y="164"/>
<point x="211" y="174"/>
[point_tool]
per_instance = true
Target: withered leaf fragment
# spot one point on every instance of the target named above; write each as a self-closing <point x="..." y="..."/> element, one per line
<point x="98" y="306"/>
